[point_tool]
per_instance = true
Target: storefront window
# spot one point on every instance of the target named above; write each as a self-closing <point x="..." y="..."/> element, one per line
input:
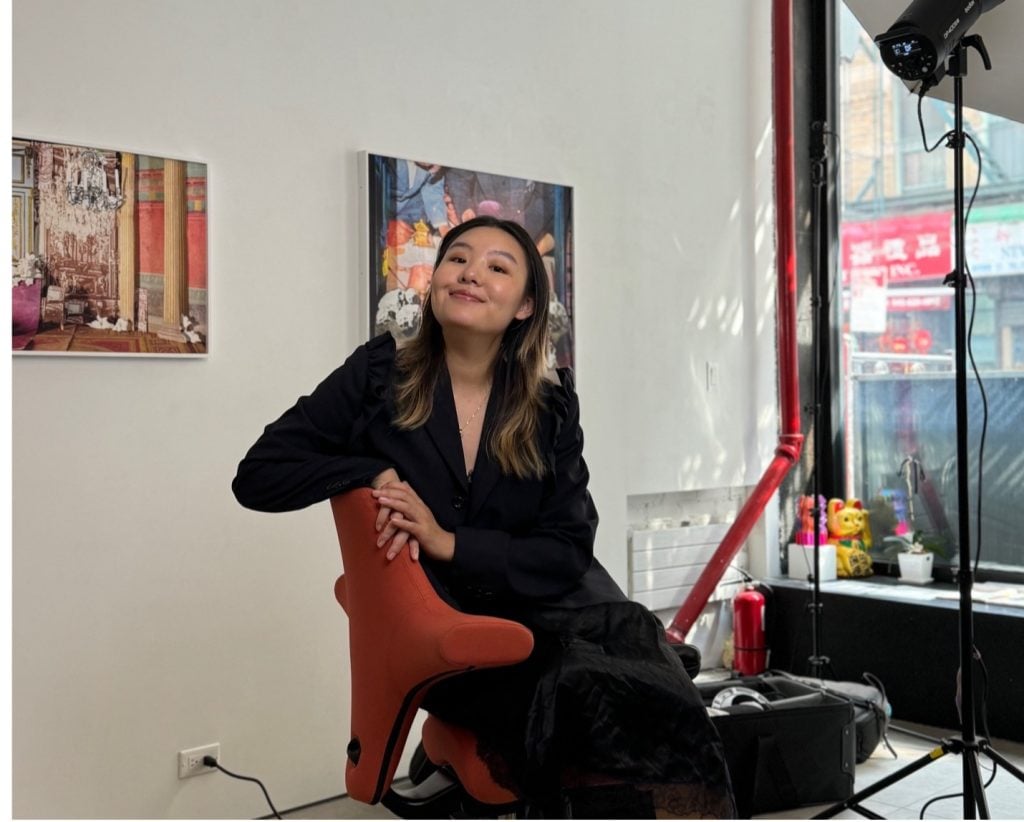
<point x="920" y="169"/>
<point x="896" y="233"/>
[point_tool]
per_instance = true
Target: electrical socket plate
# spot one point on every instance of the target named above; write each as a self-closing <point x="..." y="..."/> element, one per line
<point x="190" y="762"/>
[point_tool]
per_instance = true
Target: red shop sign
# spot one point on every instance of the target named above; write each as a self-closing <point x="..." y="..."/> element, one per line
<point x="897" y="249"/>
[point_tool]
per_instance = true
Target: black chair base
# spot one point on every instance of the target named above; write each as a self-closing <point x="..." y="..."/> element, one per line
<point x="440" y="795"/>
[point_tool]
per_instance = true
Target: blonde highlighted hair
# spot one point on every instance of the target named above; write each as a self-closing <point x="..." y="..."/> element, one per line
<point x="520" y="373"/>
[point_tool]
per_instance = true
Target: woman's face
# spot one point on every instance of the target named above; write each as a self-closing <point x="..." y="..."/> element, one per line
<point x="480" y="284"/>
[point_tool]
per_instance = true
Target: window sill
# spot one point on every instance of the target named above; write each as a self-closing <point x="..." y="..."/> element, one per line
<point x="938" y="594"/>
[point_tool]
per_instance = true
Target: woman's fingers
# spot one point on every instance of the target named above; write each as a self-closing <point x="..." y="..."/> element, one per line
<point x="385" y="511"/>
<point x="399" y="499"/>
<point x="389" y="530"/>
<point x="393" y="490"/>
<point x="400" y="536"/>
<point x="397" y="544"/>
<point x="382" y="517"/>
<point x="410" y="526"/>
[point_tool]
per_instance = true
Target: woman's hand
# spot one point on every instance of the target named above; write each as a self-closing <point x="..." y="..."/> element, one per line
<point x="382" y="479"/>
<point x="410" y="517"/>
<point x="386" y="477"/>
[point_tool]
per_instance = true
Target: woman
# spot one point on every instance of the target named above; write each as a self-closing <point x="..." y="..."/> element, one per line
<point x="474" y="450"/>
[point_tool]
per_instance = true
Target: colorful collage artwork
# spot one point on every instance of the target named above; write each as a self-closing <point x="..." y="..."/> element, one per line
<point x="412" y="204"/>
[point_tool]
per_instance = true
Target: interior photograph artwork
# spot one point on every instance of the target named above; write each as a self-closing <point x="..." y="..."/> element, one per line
<point x="615" y="410"/>
<point x="108" y="251"/>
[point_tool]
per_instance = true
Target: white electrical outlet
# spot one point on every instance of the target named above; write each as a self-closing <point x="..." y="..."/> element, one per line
<point x="190" y="762"/>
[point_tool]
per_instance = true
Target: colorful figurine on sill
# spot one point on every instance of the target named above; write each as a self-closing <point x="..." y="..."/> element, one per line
<point x="805" y="511"/>
<point x="849" y="531"/>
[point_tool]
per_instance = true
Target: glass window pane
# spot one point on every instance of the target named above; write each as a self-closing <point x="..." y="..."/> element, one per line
<point x="897" y="246"/>
<point x="921" y="168"/>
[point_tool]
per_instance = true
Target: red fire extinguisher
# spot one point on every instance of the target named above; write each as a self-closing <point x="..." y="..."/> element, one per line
<point x="749" y="642"/>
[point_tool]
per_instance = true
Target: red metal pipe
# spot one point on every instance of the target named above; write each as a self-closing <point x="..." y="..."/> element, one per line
<point x="791" y="439"/>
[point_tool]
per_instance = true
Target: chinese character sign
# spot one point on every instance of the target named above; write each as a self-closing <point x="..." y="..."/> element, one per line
<point x="898" y="249"/>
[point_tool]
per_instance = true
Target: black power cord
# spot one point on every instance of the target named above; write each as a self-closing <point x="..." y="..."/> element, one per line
<point x="211" y="762"/>
<point x="935" y="799"/>
<point x="970" y="332"/>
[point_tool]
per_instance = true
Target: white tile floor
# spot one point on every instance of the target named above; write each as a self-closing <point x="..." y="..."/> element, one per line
<point x="903" y="800"/>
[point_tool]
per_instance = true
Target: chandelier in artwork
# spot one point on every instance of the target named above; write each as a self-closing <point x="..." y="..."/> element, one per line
<point x="87" y="183"/>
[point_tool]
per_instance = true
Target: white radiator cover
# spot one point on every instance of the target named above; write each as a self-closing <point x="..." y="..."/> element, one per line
<point x="664" y="564"/>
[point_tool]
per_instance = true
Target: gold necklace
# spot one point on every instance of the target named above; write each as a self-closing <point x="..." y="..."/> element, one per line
<point x="472" y="416"/>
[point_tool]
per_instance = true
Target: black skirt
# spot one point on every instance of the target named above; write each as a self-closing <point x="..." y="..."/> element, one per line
<point x="601" y="694"/>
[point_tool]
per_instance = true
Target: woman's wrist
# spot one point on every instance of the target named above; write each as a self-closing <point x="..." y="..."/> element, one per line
<point x="444" y="547"/>
<point x="384" y="477"/>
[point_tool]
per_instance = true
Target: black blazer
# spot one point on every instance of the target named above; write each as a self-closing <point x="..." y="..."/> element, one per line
<point x="516" y="541"/>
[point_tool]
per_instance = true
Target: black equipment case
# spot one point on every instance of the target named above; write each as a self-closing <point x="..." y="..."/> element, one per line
<point x="791" y="745"/>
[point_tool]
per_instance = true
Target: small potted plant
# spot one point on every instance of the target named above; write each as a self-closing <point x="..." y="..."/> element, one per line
<point x="916" y="560"/>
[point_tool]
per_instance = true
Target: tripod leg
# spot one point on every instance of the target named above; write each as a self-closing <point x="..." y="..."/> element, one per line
<point x="867" y="813"/>
<point x="974" y="798"/>
<point x="1002" y="761"/>
<point x="932" y="756"/>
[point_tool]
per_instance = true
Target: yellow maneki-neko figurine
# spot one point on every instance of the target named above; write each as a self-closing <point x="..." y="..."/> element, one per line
<point x="850" y="532"/>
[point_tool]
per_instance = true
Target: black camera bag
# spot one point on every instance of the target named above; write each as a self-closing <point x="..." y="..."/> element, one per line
<point x="871" y="708"/>
<point x="798" y="749"/>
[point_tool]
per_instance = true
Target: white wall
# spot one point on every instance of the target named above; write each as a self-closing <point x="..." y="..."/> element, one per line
<point x="151" y="613"/>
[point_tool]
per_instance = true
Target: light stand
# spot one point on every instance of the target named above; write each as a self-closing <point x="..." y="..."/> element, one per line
<point x="822" y="46"/>
<point x="816" y="661"/>
<point x="967" y="743"/>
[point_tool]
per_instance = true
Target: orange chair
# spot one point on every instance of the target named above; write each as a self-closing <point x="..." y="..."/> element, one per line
<point x="402" y="639"/>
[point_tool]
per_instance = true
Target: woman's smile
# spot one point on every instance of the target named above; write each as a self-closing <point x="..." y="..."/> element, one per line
<point x="464" y="294"/>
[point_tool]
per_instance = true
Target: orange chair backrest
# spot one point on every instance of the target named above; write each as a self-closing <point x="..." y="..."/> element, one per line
<point x="402" y="638"/>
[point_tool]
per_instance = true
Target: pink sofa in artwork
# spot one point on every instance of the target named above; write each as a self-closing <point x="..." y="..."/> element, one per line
<point x="25" y="313"/>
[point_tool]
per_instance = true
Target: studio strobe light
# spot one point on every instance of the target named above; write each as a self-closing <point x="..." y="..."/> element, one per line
<point x="916" y="46"/>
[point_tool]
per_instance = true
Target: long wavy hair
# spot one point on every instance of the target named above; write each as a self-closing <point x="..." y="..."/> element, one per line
<point x="522" y="363"/>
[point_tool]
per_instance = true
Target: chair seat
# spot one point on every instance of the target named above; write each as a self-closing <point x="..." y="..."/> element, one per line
<point x="455" y="747"/>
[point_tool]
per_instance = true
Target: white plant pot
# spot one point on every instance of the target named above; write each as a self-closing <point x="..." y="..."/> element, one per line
<point x="916" y="568"/>
<point x="801" y="562"/>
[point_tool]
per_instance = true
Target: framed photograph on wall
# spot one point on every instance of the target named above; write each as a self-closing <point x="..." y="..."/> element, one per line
<point x="412" y="204"/>
<point x="110" y="252"/>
